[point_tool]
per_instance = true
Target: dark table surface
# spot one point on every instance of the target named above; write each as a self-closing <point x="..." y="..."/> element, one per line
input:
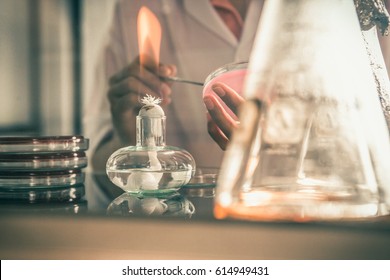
<point x="106" y="224"/>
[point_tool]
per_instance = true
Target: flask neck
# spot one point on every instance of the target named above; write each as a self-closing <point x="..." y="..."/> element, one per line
<point x="151" y="131"/>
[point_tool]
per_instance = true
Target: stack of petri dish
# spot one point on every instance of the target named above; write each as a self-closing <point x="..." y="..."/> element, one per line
<point x="43" y="169"/>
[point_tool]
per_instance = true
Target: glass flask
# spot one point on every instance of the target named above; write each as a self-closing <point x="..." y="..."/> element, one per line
<point x="373" y="17"/>
<point x="379" y="70"/>
<point x="150" y="167"/>
<point x="313" y="142"/>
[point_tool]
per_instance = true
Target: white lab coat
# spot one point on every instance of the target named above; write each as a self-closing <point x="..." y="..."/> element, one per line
<point x="197" y="41"/>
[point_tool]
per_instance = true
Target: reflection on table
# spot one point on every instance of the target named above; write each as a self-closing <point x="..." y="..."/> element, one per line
<point x="195" y="198"/>
<point x="174" y="205"/>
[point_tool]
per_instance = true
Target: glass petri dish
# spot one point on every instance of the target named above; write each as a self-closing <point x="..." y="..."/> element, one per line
<point x="43" y="162"/>
<point x="64" y="194"/>
<point x="202" y="184"/>
<point x="43" y="144"/>
<point x="232" y="74"/>
<point x="20" y="206"/>
<point x="40" y="179"/>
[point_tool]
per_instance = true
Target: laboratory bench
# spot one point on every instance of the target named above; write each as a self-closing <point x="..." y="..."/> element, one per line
<point x="105" y="224"/>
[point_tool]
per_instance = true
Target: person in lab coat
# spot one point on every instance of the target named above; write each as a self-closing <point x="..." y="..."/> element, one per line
<point x="197" y="38"/>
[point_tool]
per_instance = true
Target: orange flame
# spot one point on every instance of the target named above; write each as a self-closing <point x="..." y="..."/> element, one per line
<point x="149" y="38"/>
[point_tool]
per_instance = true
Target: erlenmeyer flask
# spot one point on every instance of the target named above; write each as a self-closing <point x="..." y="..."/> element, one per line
<point x="313" y="142"/>
<point x="379" y="70"/>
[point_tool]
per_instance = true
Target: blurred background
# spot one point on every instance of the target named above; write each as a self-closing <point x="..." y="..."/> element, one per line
<point x="48" y="50"/>
<point x="48" y="53"/>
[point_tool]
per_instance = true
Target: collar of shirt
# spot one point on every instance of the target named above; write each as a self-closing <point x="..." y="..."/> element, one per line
<point x="229" y="15"/>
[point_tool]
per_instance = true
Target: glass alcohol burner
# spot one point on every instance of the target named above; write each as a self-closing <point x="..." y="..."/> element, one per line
<point x="151" y="167"/>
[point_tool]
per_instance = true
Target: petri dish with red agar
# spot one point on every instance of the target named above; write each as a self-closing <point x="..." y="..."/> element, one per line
<point x="233" y="75"/>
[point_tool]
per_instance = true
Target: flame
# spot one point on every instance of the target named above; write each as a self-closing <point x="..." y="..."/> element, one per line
<point x="149" y="38"/>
